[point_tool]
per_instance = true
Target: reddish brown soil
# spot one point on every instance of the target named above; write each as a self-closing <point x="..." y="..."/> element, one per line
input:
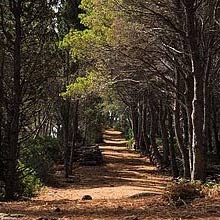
<point x="127" y="187"/>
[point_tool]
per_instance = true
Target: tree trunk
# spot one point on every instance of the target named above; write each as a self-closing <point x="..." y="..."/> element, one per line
<point x="1" y="103"/>
<point x="215" y="127"/>
<point x="179" y="130"/>
<point x="199" y="155"/>
<point x="13" y="126"/>
<point x="188" y="100"/>
<point x="145" y="131"/>
<point x="164" y="133"/>
<point x="198" y="151"/>
<point x="156" y="157"/>
<point x="174" y="167"/>
<point x="67" y="151"/>
<point x="134" y="118"/>
<point x="74" y="135"/>
<point x="179" y="137"/>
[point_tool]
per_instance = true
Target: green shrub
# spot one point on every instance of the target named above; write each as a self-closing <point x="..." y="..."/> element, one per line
<point x="30" y="184"/>
<point x="159" y="141"/>
<point x="130" y="143"/>
<point x="40" y="154"/>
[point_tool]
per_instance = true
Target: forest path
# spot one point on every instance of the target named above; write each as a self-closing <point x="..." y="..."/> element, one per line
<point x="111" y="186"/>
<point x="124" y="174"/>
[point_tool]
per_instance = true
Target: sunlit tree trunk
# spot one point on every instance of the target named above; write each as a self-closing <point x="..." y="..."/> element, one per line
<point x="198" y="150"/>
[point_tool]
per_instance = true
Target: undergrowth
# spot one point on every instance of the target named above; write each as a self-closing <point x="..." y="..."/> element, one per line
<point x="183" y="193"/>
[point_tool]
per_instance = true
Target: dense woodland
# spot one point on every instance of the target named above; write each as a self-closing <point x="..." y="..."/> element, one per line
<point x="70" y="68"/>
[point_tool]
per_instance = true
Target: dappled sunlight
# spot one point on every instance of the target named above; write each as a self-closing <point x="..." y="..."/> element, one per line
<point x="124" y="174"/>
<point x="126" y="185"/>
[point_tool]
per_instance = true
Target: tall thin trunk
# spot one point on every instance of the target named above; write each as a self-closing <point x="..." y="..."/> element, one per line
<point x="74" y="135"/>
<point x="179" y="137"/>
<point x="179" y="130"/>
<point x="215" y="127"/>
<point x="153" y="128"/>
<point x="199" y="158"/>
<point x="145" y="131"/>
<point x="13" y="128"/>
<point x="164" y="133"/>
<point x="188" y="100"/>
<point x="2" y="97"/>
<point x="134" y="119"/>
<point x="66" y="126"/>
<point x="198" y="151"/>
<point x="2" y="170"/>
<point x="174" y="167"/>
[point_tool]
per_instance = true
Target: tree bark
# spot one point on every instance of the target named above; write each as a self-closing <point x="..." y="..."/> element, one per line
<point x="174" y="167"/>
<point x="164" y="133"/>
<point x="178" y="130"/>
<point x="198" y="151"/>
<point x="134" y="118"/>
<point x="13" y="126"/>
<point x="74" y="134"/>
<point x="153" y="128"/>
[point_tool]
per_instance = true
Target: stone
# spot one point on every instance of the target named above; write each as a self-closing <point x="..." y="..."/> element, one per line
<point x="17" y="215"/>
<point x="57" y="209"/>
<point x="87" y="197"/>
<point x="131" y="218"/>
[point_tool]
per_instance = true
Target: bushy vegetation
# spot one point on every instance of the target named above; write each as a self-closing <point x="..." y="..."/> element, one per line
<point x="30" y="183"/>
<point x="183" y="192"/>
<point x="39" y="155"/>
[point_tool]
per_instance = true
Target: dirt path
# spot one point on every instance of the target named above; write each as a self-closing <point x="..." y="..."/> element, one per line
<point x="114" y="189"/>
<point x="125" y="174"/>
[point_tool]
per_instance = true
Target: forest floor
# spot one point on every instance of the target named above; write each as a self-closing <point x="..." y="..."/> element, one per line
<point x="127" y="187"/>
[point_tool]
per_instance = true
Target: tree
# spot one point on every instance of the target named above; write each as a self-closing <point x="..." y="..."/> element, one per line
<point x="26" y="38"/>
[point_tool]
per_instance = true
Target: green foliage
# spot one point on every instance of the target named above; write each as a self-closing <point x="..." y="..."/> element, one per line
<point x="83" y="86"/>
<point x="159" y="141"/>
<point x="129" y="135"/>
<point x="99" y="19"/>
<point x="30" y="184"/>
<point x="92" y="120"/>
<point x="40" y="155"/>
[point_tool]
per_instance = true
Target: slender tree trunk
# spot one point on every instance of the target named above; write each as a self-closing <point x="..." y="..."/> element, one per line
<point x="2" y="170"/>
<point x="164" y="133"/>
<point x="67" y="151"/>
<point x="2" y="96"/>
<point x="145" y="131"/>
<point x="199" y="155"/>
<point x="140" y="122"/>
<point x="179" y="137"/>
<point x="174" y="167"/>
<point x="153" y="128"/>
<point x="75" y="131"/>
<point x="179" y="130"/>
<point x="13" y="128"/>
<point x="215" y="127"/>
<point x="188" y="100"/>
<point x="134" y="118"/>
